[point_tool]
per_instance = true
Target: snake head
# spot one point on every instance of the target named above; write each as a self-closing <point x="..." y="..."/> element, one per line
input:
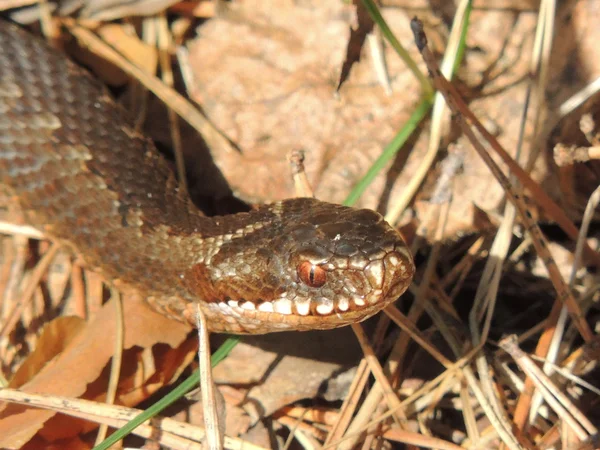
<point x="305" y="265"/>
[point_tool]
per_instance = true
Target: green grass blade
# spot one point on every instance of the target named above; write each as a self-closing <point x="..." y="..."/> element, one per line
<point x="187" y="385"/>
<point x="463" y="38"/>
<point x="390" y="150"/>
<point x="375" y="14"/>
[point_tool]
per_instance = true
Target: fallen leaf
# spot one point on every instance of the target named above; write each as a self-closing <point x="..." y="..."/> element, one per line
<point x="77" y="370"/>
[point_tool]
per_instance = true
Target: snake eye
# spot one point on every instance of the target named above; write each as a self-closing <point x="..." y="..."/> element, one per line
<point x="311" y="274"/>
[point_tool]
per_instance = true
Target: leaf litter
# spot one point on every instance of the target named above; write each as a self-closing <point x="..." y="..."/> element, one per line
<point x="265" y="75"/>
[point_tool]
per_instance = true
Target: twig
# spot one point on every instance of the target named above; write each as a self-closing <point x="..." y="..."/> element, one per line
<point x="514" y="193"/>
<point x="170" y="432"/>
<point x="214" y="437"/>
<point x="115" y="366"/>
<point x="378" y="373"/>
<point x="302" y="187"/>
<point x="559" y="402"/>
<point x="173" y="99"/>
<point x="36" y="276"/>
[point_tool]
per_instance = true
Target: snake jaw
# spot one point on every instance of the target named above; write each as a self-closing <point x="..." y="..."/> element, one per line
<point x="387" y="278"/>
<point x="319" y="271"/>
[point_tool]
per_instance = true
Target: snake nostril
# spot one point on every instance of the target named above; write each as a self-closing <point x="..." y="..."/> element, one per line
<point x="400" y="264"/>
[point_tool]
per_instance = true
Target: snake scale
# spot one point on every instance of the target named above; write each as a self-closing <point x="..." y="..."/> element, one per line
<point x="71" y="159"/>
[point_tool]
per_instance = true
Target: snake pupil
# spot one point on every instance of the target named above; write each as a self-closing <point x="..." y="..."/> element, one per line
<point x="311" y="274"/>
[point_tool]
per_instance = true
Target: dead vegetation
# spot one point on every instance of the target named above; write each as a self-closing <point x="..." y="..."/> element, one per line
<point x="494" y="346"/>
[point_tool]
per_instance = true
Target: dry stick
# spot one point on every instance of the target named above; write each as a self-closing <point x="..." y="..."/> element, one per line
<point x="23" y="230"/>
<point x="559" y="402"/>
<point x="378" y="60"/>
<point x="350" y="403"/>
<point x="409" y="327"/>
<point x="459" y="107"/>
<point x="456" y="103"/>
<point x="9" y="4"/>
<point x="388" y="392"/>
<point x="360" y="422"/>
<point x="459" y="272"/>
<point x="78" y="286"/>
<point x="215" y="140"/>
<point x="521" y="413"/>
<point x="438" y="113"/>
<point x="115" y="365"/>
<point x="468" y="412"/>
<point x="514" y="193"/>
<point x="214" y="435"/>
<point x="296" y="424"/>
<point x="498" y="420"/>
<point x="320" y="416"/>
<point x="164" y="58"/>
<point x="557" y="340"/>
<point x="351" y="437"/>
<point x="348" y="408"/>
<point x="419" y="439"/>
<point x="165" y="431"/>
<point x="422" y="293"/>
<point x="302" y="187"/>
<point x="443" y="300"/>
<point x="32" y="284"/>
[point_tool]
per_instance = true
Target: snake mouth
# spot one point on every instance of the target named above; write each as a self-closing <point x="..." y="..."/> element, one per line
<point x="307" y="310"/>
<point x="306" y="314"/>
<point x="302" y="306"/>
<point x="285" y="316"/>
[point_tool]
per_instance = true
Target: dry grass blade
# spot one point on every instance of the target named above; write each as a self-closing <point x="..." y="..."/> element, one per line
<point x="558" y="336"/>
<point x="369" y="406"/>
<point x="170" y="432"/>
<point x="169" y="96"/>
<point x="419" y="440"/>
<point x="350" y="403"/>
<point x="23" y="230"/>
<point x="578" y="99"/>
<point x="214" y="435"/>
<point x="409" y="327"/>
<point x="565" y="409"/>
<point x="438" y="115"/>
<point x="115" y="363"/>
<point x="459" y="107"/>
<point x="164" y="45"/>
<point x="32" y="284"/>
<point x="375" y="40"/>
<point x="514" y="193"/>
<point x="377" y="370"/>
<point x="466" y="119"/>
<point x="7" y="4"/>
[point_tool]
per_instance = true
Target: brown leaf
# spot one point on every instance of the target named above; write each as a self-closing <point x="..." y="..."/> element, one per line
<point x="55" y="337"/>
<point x="77" y="370"/>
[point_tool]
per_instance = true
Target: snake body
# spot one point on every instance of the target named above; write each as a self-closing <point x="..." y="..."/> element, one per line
<point x="71" y="159"/>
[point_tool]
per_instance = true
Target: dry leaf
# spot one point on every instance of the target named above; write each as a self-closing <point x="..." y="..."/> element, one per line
<point x="76" y="371"/>
<point x="55" y="337"/>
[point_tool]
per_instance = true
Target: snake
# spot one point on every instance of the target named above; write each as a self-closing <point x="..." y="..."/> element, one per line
<point x="74" y="164"/>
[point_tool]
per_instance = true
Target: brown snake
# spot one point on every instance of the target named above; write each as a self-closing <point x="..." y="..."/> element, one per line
<point x="70" y="158"/>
